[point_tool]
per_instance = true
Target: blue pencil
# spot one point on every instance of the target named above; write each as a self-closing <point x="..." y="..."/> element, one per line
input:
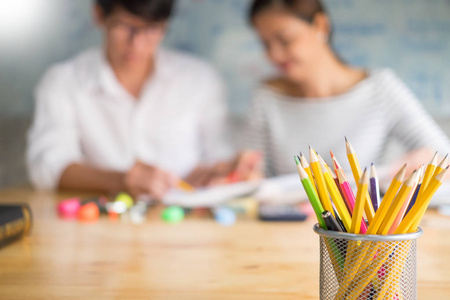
<point x="374" y="188"/>
<point x="413" y="199"/>
<point x="416" y="192"/>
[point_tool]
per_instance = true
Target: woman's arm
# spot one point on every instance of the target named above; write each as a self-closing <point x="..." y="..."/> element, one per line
<point x="412" y="125"/>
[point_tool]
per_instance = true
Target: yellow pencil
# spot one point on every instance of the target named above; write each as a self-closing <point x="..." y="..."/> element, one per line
<point x="356" y="170"/>
<point x="397" y="203"/>
<point x="183" y="185"/>
<point x="337" y="198"/>
<point x="442" y="165"/>
<point x="307" y="169"/>
<point x="359" y="203"/>
<point x="415" y="215"/>
<point x="323" y="162"/>
<point x="405" y="205"/>
<point x="428" y="173"/>
<point x="380" y="215"/>
<point x="320" y="181"/>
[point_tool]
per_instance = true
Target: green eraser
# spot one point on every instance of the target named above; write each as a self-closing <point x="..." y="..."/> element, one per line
<point x="173" y="214"/>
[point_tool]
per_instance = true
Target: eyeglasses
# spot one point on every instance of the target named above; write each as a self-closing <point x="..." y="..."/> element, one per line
<point x="123" y="31"/>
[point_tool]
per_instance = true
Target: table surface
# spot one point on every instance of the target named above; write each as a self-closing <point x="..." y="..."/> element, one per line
<point x="196" y="259"/>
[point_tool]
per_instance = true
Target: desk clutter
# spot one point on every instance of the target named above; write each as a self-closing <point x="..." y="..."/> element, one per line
<point x="123" y="207"/>
<point x="368" y="243"/>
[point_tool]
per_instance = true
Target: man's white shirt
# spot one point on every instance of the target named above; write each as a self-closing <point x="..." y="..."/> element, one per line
<point x="84" y="115"/>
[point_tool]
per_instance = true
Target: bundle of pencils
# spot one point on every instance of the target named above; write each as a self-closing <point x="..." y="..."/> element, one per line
<point x="337" y="208"/>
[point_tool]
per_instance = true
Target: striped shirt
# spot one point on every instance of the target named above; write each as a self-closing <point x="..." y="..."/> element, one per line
<point x="374" y="112"/>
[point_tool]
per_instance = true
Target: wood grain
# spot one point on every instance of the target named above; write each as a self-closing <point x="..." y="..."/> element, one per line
<point x="197" y="259"/>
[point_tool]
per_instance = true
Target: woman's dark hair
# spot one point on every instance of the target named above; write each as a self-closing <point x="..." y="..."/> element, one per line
<point x="149" y="10"/>
<point x="304" y="9"/>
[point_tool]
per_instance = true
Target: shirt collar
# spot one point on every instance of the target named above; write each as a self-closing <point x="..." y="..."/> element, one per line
<point x="104" y="80"/>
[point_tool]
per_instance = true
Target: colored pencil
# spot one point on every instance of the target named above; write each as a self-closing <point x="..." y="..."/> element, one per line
<point x="350" y="198"/>
<point x="337" y="198"/>
<point x="442" y="165"/>
<point x="307" y="169"/>
<point x="374" y="188"/>
<point x="429" y="173"/>
<point x="413" y="218"/>
<point x="311" y="193"/>
<point x="359" y="203"/>
<point x="416" y="192"/>
<point x="405" y="205"/>
<point x="183" y="185"/>
<point x="387" y="200"/>
<point x="356" y="170"/>
<point x="397" y="203"/>
<point x="320" y="181"/>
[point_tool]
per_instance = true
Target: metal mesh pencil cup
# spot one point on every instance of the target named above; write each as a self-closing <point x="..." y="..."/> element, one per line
<point x="361" y="267"/>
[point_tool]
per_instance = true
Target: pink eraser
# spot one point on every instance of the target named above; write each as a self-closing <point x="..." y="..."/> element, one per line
<point x="69" y="208"/>
<point x="307" y="208"/>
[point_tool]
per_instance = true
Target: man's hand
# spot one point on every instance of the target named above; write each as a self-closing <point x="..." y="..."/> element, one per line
<point x="143" y="179"/>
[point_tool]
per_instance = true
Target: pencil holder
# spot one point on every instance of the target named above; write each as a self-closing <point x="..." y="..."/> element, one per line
<point x="354" y="266"/>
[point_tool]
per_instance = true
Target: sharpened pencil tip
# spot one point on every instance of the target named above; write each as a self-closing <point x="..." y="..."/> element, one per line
<point x="296" y="160"/>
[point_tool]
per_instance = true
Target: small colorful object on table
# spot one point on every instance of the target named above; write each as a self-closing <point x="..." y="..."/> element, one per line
<point x="89" y="213"/>
<point x="173" y="214"/>
<point x="125" y="198"/>
<point x="224" y="216"/>
<point x="68" y="209"/>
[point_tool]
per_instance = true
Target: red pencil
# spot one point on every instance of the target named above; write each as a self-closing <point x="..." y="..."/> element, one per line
<point x="349" y="197"/>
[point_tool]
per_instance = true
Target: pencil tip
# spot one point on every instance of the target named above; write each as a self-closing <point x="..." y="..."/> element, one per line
<point x="346" y="138"/>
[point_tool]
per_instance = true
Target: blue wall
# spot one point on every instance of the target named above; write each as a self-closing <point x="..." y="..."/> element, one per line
<point x="410" y="36"/>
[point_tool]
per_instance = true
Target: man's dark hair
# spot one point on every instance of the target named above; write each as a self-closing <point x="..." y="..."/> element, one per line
<point x="149" y="10"/>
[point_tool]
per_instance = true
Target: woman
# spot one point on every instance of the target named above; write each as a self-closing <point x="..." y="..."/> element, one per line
<point x="129" y="116"/>
<point x="318" y="99"/>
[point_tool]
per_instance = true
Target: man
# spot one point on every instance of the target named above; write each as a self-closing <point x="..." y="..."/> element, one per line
<point x="129" y="116"/>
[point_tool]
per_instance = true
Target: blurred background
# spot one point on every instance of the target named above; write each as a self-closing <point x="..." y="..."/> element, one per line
<point x="410" y="36"/>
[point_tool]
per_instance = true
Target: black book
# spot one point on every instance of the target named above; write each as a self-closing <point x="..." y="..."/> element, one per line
<point x="15" y="222"/>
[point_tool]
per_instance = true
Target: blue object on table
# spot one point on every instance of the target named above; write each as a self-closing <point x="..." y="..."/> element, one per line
<point x="224" y="216"/>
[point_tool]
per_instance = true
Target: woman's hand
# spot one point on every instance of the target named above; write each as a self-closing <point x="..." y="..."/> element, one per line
<point x="144" y="179"/>
<point x="245" y="166"/>
<point x="414" y="159"/>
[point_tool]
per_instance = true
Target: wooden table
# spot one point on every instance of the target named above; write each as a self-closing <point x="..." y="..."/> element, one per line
<point x="197" y="259"/>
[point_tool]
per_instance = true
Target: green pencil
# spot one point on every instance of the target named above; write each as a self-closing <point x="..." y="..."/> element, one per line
<point x="313" y="198"/>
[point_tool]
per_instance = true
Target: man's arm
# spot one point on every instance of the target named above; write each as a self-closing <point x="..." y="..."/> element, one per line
<point x="83" y="177"/>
